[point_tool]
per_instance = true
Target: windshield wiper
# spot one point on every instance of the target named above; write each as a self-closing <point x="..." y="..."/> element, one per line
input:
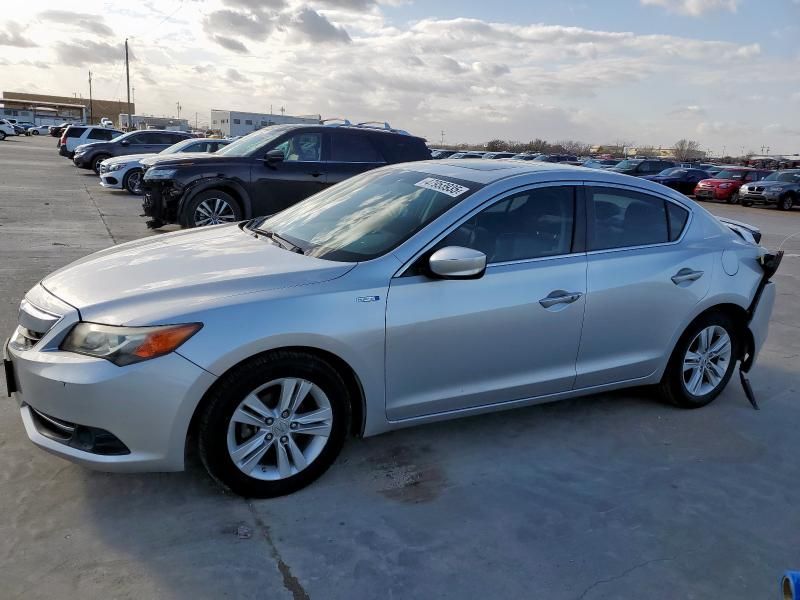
<point x="280" y="241"/>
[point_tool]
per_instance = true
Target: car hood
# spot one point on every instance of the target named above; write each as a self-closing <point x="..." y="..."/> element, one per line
<point x="149" y="280"/>
<point x="184" y="158"/>
<point x="660" y="178"/>
<point x="771" y="184"/>
<point x="127" y="158"/>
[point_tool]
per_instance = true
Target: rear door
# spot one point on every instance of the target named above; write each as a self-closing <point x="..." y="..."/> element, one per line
<point x="642" y="281"/>
<point x="351" y="153"/>
<point x="75" y="137"/>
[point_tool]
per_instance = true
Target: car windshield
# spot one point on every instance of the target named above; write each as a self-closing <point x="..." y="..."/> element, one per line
<point x="628" y="164"/>
<point x="787" y="176"/>
<point x="248" y="144"/>
<point x="728" y="174"/>
<point x="368" y="215"/>
<point x="673" y="172"/>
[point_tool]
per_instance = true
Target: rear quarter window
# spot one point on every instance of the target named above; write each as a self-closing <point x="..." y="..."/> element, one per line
<point x="401" y="148"/>
<point x="74" y="132"/>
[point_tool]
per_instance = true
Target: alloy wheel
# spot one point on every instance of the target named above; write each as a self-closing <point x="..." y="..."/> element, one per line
<point x="706" y="360"/>
<point x="213" y="211"/>
<point x="135" y="182"/>
<point x="279" y="429"/>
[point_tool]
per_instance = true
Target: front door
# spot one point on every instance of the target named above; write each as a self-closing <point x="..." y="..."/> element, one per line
<point x="511" y="334"/>
<point x="301" y="174"/>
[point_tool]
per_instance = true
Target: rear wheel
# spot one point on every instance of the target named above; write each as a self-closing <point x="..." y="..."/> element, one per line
<point x="2" y="135"/>
<point x="212" y="207"/>
<point x="702" y="363"/>
<point x="734" y="198"/>
<point x="274" y="424"/>
<point x="133" y="182"/>
<point x="786" y="202"/>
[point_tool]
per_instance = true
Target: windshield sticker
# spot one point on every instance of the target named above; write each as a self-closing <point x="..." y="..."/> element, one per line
<point x="440" y="185"/>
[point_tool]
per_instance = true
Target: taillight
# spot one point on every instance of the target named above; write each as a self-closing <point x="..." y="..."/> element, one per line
<point x="63" y="139"/>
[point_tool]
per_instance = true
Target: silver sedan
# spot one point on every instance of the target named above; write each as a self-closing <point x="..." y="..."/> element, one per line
<point x="409" y="294"/>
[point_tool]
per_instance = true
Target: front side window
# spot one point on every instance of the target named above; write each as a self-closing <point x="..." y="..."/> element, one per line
<point x="622" y="218"/>
<point x="346" y="147"/>
<point x="368" y="215"/>
<point x="302" y="147"/>
<point x="138" y="138"/>
<point x="531" y="224"/>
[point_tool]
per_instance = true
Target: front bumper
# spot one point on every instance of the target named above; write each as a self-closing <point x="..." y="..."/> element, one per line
<point x="759" y="198"/>
<point x="82" y="161"/>
<point x="62" y="151"/>
<point x="111" y="180"/>
<point x="160" y="203"/>
<point x="146" y="406"/>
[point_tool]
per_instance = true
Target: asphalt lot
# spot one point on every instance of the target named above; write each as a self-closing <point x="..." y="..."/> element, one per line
<point x="612" y="496"/>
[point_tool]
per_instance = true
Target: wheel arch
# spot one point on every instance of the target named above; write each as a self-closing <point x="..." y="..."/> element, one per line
<point x="351" y="379"/>
<point x="733" y="311"/>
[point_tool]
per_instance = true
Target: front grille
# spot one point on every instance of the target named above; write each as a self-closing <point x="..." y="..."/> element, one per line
<point x="758" y="189"/>
<point x="34" y="323"/>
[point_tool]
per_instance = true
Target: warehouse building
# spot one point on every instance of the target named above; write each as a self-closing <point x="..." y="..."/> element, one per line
<point x="233" y="123"/>
<point x="151" y="122"/>
<point x="44" y="109"/>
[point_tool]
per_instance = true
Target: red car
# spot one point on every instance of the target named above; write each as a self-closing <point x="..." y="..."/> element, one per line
<point x="725" y="184"/>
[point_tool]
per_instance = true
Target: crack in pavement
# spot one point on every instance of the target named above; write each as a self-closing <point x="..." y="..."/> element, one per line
<point x="290" y="582"/>
<point x="622" y="575"/>
<point x="100" y="212"/>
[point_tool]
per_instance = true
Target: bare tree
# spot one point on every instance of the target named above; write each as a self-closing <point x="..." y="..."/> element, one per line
<point x="495" y="145"/>
<point x="687" y="149"/>
<point x="646" y="150"/>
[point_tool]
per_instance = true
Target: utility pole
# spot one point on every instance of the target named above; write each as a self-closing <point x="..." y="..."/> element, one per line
<point x="178" y="104"/>
<point x="133" y="93"/>
<point x="283" y="110"/>
<point x="128" y="82"/>
<point x="90" y="98"/>
<point x="195" y="120"/>
<point x="442" y="143"/>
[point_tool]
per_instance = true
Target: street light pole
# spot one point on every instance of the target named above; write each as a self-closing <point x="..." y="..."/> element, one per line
<point x="90" y="99"/>
<point x="178" y="104"/>
<point x="128" y="82"/>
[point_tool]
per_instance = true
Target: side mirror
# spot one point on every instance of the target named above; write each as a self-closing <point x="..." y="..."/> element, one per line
<point x="455" y="262"/>
<point x="274" y="156"/>
<point x="124" y="143"/>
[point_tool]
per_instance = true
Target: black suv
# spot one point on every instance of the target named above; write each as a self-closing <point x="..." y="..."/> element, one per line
<point x="267" y="171"/>
<point x="641" y="167"/>
<point x="89" y="156"/>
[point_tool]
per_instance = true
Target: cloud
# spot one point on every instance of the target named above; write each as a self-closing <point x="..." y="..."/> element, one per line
<point x="86" y="22"/>
<point x="253" y="26"/>
<point x="782" y="129"/>
<point x="694" y="8"/>
<point x="256" y="5"/>
<point x="317" y="28"/>
<point x="12" y="37"/>
<point x="230" y="44"/>
<point x="234" y="76"/>
<point x="687" y="112"/>
<point x="77" y="53"/>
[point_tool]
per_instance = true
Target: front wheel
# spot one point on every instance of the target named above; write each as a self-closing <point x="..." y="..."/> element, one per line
<point x="734" y="198"/>
<point x="274" y="424"/>
<point x="702" y="362"/>
<point x="96" y="163"/>
<point x="34" y="132"/>
<point x="2" y="135"/>
<point x="213" y="207"/>
<point x="133" y="182"/>
<point x="786" y="203"/>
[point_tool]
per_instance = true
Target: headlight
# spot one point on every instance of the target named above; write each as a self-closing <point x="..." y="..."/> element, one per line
<point x="724" y="186"/>
<point x="116" y="166"/>
<point x="127" y="345"/>
<point x="159" y="173"/>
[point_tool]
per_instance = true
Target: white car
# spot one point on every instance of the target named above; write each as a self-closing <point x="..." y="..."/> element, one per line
<point x="6" y="129"/>
<point x="37" y="130"/>
<point x="125" y="172"/>
<point x="75" y="135"/>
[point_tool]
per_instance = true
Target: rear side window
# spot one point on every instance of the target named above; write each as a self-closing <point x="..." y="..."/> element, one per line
<point x="101" y="134"/>
<point x="174" y="138"/>
<point x="73" y="132"/>
<point x="622" y="218"/>
<point x="677" y="220"/>
<point x="346" y="147"/>
<point x="397" y="148"/>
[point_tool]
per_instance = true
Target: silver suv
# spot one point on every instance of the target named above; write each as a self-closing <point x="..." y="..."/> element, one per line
<point x="408" y="294"/>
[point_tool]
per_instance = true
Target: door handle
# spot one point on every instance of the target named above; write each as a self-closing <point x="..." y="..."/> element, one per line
<point x="315" y="174"/>
<point x="559" y="297"/>
<point x="686" y="275"/>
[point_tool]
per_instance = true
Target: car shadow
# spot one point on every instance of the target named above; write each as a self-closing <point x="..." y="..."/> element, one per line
<point x="188" y="538"/>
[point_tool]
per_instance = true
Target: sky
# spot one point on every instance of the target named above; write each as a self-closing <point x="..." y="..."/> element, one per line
<point x="723" y="72"/>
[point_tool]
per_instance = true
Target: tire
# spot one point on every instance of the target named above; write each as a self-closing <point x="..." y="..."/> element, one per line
<point x="733" y="199"/>
<point x="786" y="202"/>
<point x="96" y="162"/>
<point x="211" y="207"/>
<point x="34" y="132"/>
<point x="133" y="182"/>
<point x="2" y="135"/>
<point x="674" y="386"/>
<point x="252" y="393"/>
<point x="747" y="203"/>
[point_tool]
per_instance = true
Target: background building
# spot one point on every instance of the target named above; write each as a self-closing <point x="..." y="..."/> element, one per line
<point x="43" y="109"/>
<point x="233" y="123"/>
<point x="151" y="122"/>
